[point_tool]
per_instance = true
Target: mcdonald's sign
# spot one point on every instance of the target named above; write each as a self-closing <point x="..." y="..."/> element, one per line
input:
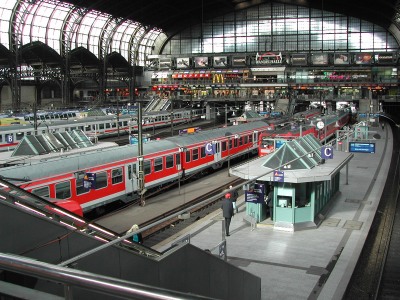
<point x="218" y="78"/>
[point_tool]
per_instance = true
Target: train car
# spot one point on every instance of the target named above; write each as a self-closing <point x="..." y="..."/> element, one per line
<point x="99" y="127"/>
<point x="115" y="171"/>
<point x="271" y="140"/>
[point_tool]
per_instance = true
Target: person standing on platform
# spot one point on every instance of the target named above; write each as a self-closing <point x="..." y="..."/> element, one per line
<point x="227" y="211"/>
<point x="270" y="202"/>
<point x="137" y="237"/>
<point x="234" y="196"/>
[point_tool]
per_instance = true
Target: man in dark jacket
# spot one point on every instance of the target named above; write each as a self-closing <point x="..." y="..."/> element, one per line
<point x="227" y="211"/>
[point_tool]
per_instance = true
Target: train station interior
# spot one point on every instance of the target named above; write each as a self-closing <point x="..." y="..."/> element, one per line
<point x="230" y="63"/>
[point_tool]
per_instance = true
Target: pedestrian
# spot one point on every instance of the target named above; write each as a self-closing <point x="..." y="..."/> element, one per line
<point x="383" y="126"/>
<point x="270" y="202"/>
<point x="137" y="237"/>
<point x="227" y="211"/>
<point x="234" y="196"/>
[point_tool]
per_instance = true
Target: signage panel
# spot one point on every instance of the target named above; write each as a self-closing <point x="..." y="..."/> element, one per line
<point x="256" y="194"/>
<point x="268" y="58"/>
<point x="362" y="147"/>
<point x="341" y="58"/>
<point x="279" y="176"/>
<point x="363" y="58"/>
<point x="165" y="63"/>
<point x="239" y="61"/>
<point x="298" y="59"/>
<point x="183" y="62"/>
<point x="385" y="58"/>
<point x="201" y="62"/>
<point x="220" y="61"/>
<point x="320" y="59"/>
<point x="89" y="181"/>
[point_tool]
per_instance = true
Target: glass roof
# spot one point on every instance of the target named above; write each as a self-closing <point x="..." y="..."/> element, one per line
<point x="301" y="153"/>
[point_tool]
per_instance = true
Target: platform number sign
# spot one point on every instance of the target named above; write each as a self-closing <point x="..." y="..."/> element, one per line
<point x="327" y="152"/>
<point x="10" y="138"/>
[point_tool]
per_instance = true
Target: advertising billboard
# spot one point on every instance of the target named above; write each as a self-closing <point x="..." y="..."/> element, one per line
<point x="385" y="58"/>
<point x="201" y="62"/>
<point x="341" y="59"/>
<point x="220" y="61"/>
<point x="320" y="59"/>
<point x="298" y="59"/>
<point x="363" y="58"/>
<point x="183" y="62"/>
<point x="239" y="61"/>
<point x="268" y="58"/>
<point x="165" y="63"/>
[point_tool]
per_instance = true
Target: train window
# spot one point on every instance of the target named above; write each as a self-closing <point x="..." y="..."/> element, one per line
<point x="108" y="125"/>
<point x="169" y="161"/>
<point x="230" y="144"/>
<point x="1" y="138"/>
<point x="116" y="175"/>
<point x="203" y="152"/>
<point x="125" y="123"/>
<point x="134" y="169"/>
<point x="101" y="126"/>
<point x="146" y="167"/>
<point x="79" y="184"/>
<point x="113" y="125"/>
<point x="246" y="139"/>
<point x="195" y="154"/>
<point x="101" y="180"/>
<point x="63" y="190"/>
<point x="87" y="128"/>
<point x="42" y="192"/>
<point x="178" y="159"/>
<point x="19" y="136"/>
<point x="158" y="164"/>
<point x="240" y="140"/>
<point x="80" y="128"/>
<point x="188" y="156"/>
<point x="224" y="148"/>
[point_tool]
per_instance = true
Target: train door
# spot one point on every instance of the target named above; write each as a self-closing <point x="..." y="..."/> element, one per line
<point x="217" y="154"/>
<point x="131" y="184"/>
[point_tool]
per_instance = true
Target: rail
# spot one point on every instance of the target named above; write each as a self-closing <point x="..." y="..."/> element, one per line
<point x="70" y="278"/>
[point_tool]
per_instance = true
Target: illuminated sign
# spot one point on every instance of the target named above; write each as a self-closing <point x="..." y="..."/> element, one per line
<point x="239" y="61"/>
<point x="268" y="58"/>
<point x="385" y="58"/>
<point x="362" y="147"/>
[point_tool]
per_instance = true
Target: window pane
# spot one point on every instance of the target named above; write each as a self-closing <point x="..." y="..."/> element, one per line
<point x="101" y="180"/>
<point x="42" y="192"/>
<point x="63" y="190"/>
<point x="169" y="161"/>
<point x="116" y="175"/>
<point x="158" y="164"/>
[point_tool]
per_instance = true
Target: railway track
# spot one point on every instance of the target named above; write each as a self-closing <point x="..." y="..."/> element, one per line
<point x="377" y="274"/>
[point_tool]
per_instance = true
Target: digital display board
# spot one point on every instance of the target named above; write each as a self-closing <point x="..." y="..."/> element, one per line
<point x="360" y="147"/>
<point x="385" y="58"/>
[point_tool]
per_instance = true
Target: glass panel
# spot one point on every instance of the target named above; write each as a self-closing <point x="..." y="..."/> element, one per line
<point x="63" y="190"/>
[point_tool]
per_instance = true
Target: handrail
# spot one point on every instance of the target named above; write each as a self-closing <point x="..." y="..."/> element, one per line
<point x="86" y="280"/>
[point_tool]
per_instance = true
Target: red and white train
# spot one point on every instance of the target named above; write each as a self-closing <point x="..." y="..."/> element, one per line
<point x="99" y="126"/>
<point x="114" y="171"/>
<point x="323" y="128"/>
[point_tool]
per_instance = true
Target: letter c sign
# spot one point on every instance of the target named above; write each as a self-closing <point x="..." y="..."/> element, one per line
<point x="327" y="152"/>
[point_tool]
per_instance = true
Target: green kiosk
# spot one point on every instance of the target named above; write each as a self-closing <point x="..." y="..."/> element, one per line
<point x="305" y="176"/>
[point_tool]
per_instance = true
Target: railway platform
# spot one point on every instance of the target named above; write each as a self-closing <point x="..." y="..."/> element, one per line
<point x="309" y="264"/>
<point x="306" y="264"/>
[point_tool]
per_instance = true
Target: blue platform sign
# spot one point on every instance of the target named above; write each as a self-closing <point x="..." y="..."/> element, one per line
<point x="327" y="152"/>
<point x="210" y="148"/>
<point x="256" y="194"/>
<point x="279" y="176"/>
<point x="89" y="181"/>
<point x="362" y="147"/>
<point x="10" y="138"/>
